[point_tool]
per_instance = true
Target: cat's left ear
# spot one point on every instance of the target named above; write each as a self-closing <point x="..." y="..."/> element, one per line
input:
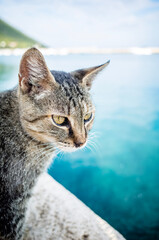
<point x="86" y="76"/>
<point x="34" y="75"/>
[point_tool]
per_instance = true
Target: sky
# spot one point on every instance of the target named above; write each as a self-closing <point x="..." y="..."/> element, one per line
<point x="86" y="23"/>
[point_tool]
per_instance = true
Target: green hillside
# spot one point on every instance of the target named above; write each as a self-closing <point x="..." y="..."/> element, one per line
<point x="12" y="38"/>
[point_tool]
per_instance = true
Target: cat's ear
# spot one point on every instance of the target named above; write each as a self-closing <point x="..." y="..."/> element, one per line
<point x="34" y="73"/>
<point x="86" y="76"/>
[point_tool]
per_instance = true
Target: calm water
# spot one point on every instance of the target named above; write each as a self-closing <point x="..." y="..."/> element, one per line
<point x="119" y="176"/>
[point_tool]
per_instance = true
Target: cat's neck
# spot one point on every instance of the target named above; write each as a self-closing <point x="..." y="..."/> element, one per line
<point x="22" y="160"/>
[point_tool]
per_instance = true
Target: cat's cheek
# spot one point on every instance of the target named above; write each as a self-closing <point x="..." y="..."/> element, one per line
<point x="36" y="134"/>
<point x="41" y="137"/>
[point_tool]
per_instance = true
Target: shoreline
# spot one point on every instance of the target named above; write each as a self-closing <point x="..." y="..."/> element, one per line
<point x="67" y="51"/>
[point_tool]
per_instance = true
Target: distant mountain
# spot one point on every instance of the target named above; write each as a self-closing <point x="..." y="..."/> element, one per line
<point x="12" y="38"/>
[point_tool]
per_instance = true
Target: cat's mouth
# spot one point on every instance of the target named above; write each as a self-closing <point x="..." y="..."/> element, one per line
<point x="71" y="147"/>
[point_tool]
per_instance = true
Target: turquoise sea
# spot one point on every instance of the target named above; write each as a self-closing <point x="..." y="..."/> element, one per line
<point x="118" y="175"/>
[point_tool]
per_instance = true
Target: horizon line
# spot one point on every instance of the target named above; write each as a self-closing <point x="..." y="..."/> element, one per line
<point x="83" y="50"/>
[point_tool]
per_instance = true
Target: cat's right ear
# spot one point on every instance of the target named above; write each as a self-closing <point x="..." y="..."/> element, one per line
<point x="34" y="73"/>
<point x="86" y="76"/>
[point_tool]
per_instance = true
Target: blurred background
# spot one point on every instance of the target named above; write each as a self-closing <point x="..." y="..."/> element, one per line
<point x="117" y="175"/>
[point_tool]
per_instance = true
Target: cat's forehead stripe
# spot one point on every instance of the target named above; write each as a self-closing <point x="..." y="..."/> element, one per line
<point x="74" y="95"/>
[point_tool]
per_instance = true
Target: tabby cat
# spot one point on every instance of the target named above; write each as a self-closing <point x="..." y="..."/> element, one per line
<point x="47" y="110"/>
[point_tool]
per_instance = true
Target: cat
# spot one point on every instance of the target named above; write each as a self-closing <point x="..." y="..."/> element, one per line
<point x="47" y="110"/>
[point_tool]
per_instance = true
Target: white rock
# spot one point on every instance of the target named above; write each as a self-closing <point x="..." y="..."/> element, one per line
<point x="56" y="214"/>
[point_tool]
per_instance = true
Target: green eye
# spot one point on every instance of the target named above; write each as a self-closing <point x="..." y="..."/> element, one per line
<point x="88" y="117"/>
<point x="59" y="120"/>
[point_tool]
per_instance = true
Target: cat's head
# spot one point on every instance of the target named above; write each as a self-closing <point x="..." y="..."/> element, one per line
<point x="55" y="106"/>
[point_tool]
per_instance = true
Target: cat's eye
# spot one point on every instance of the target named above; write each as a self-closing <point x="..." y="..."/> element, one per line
<point x="88" y="117"/>
<point x="59" y="120"/>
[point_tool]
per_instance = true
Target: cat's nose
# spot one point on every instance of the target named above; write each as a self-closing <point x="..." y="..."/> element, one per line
<point x="79" y="143"/>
